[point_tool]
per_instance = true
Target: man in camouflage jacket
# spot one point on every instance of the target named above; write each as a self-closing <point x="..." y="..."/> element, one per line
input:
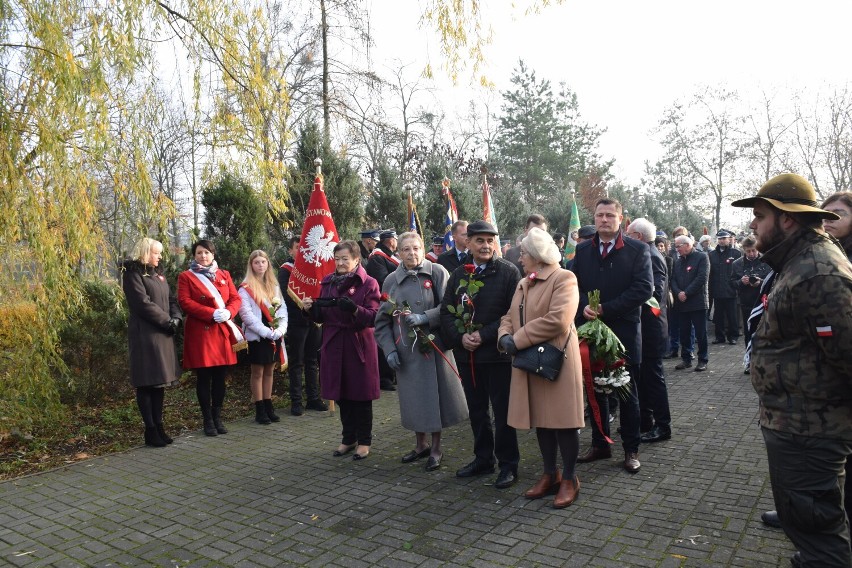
<point x="801" y="368"/>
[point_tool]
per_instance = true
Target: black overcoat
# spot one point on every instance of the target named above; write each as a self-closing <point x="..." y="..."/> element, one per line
<point x="153" y="356"/>
<point x="625" y="281"/>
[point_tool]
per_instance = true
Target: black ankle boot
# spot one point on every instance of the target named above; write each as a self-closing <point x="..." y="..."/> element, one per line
<point x="152" y="438"/>
<point x="270" y="410"/>
<point x="209" y="426"/>
<point x="260" y="415"/>
<point x="217" y="420"/>
<point x="161" y="430"/>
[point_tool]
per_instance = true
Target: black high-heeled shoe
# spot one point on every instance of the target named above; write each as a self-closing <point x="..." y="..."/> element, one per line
<point x="349" y="448"/>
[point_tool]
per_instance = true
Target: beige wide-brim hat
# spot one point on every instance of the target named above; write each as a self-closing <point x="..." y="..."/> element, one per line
<point x="791" y="193"/>
<point x="539" y="244"/>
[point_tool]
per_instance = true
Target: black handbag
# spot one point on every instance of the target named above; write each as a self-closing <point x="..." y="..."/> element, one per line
<point x="543" y="359"/>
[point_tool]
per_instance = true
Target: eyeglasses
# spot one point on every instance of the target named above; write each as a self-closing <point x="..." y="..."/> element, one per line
<point x="680" y="245"/>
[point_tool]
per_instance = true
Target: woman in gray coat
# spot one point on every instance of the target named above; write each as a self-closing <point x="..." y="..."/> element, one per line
<point x="430" y="393"/>
<point x="154" y="320"/>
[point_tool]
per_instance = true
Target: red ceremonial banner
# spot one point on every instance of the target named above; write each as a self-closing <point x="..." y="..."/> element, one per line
<point x="316" y="248"/>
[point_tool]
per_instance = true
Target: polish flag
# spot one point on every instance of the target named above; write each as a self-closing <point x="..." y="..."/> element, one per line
<point x="824" y="331"/>
<point x="316" y="247"/>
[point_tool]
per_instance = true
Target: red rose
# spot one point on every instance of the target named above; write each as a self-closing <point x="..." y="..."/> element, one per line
<point x="469" y="268"/>
<point x="618" y="364"/>
<point x="385" y="297"/>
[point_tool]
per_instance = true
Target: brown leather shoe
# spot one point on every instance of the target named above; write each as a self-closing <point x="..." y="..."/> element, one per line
<point x="595" y="454"/>
<point x="548" y="484"/>
<point x="568" y="491"/>
<point x="631" y="462"/>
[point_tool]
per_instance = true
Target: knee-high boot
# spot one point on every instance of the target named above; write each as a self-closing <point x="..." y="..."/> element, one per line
<point x="217" y="420"/>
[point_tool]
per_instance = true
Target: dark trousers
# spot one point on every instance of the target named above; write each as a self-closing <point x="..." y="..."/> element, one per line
<point x="694" y="321"/>
<point x="674" y="331"/>
<point x="808" y="477"/>
<point x="210" y="388"/>
<point x="356" y="416"/>
<point x="628" y="416"/>
<point x="725" y="319"/>
<point x="492" y="386"/>
<point x="653" y="395"/>
<point x="303" y="345"/>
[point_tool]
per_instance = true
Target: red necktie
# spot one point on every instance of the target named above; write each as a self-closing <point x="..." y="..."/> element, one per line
<point x="605" y="250"/>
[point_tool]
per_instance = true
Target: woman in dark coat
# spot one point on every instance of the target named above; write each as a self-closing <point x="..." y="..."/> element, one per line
<point x="207" y="295"/>
<point x="349" y="373"/>
<point x="154" y="320"/>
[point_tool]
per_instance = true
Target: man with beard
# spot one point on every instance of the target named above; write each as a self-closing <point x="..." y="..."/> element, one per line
<point x="801" y="368"/>
<point x="485" y="372"/>
<point x="723" y="292"/>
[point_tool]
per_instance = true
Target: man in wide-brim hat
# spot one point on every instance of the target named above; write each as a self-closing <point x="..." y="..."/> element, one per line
<point x="801" y="368"/>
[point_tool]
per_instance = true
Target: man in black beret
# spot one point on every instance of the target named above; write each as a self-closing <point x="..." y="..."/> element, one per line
<point x="722" y="290"/>
<point x="485" y="371"/>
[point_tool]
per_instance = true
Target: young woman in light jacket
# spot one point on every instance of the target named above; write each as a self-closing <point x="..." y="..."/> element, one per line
<point x="264" y="325"/>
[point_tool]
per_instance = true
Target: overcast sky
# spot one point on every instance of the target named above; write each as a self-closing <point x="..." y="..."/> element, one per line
<point x="627" y="61"/>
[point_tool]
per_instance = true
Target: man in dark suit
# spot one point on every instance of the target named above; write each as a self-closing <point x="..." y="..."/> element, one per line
<point x="486" y="373"/>
<point x="656" y="423"/>
<point x="457" y="255"/>
<point x="689" y="286"/>
<point x="620" y="267"/>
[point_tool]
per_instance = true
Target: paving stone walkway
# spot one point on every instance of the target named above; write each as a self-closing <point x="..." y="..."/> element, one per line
<point x="274" y="496"/>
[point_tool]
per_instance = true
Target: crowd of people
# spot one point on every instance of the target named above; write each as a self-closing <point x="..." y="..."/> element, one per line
<point x="447" y="329"/>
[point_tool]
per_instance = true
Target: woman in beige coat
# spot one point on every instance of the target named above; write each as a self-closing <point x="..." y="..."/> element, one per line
<point x="543" y="310"/>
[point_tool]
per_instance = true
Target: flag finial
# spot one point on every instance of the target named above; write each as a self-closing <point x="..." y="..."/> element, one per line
<point x="318" y="164"/>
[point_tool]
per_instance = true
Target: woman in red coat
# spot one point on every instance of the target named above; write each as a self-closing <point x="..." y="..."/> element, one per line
<point x="207" y="295"/>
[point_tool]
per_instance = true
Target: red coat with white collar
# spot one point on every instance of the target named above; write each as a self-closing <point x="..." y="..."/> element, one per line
<point x="205" y="342"/>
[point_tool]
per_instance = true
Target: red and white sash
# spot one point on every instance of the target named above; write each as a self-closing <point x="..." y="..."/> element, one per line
<point x="277" y="348"/>
<point x="393" y="260"/>
<point x="237" y="335"/>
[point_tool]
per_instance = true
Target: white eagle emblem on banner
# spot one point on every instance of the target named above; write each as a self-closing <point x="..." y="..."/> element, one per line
<point x="319" y="246"/>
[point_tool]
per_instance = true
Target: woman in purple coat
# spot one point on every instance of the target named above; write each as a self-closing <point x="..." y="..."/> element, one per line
<point x="349" y="373"/>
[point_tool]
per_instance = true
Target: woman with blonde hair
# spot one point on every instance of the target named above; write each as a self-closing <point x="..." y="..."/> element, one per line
<point x="264" y="318"/>
<point x="154" y="320"/>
